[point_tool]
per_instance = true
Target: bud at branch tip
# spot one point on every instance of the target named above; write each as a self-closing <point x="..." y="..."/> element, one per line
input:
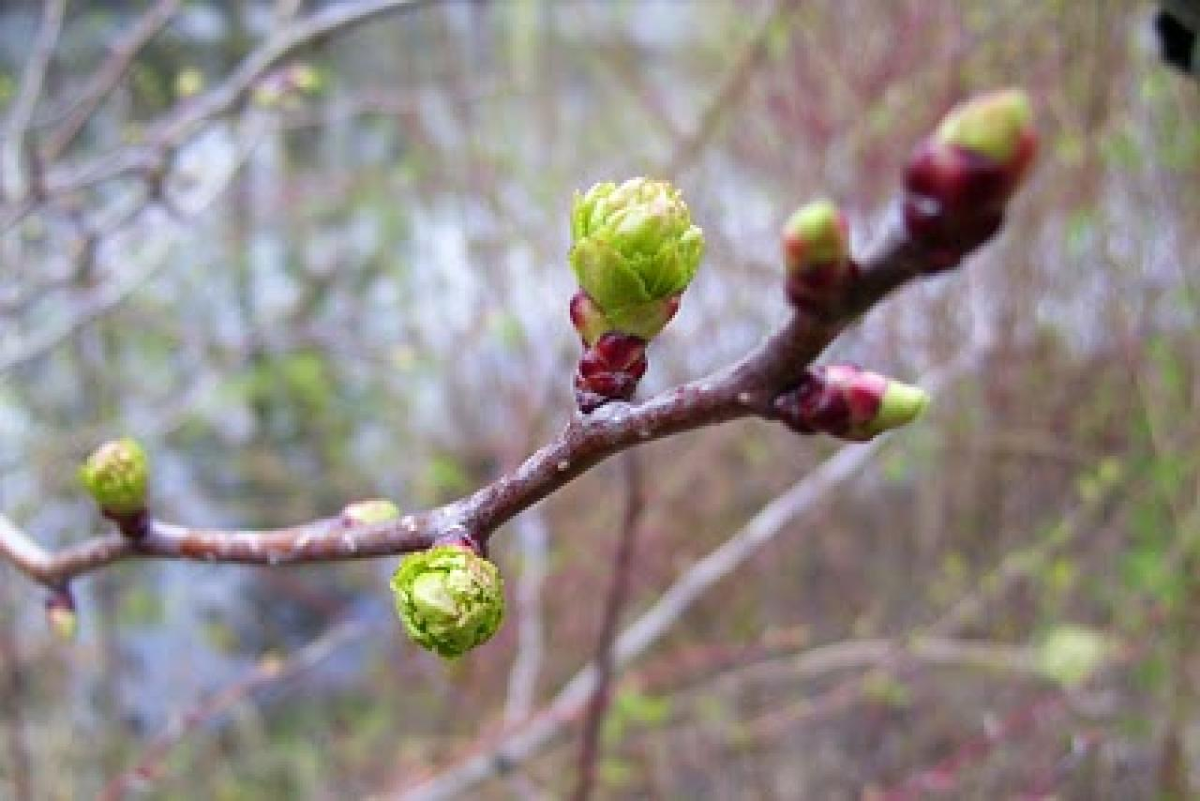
<point x="116" y="475"/>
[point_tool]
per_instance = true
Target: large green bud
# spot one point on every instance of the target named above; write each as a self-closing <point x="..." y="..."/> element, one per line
<point x="115" y="475"/>
<point x="634" y="250"/>
<point x="449" y="598"/>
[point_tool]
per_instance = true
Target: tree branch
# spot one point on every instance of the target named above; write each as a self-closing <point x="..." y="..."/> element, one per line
<point x="743" y="389"/>
<point x="618" y="592"/>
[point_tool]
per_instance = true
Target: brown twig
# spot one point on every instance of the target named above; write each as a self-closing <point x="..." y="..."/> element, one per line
<point x="618" y="592"/>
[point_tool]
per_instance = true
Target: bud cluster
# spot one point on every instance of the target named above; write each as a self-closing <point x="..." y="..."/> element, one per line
<point x="450" y="598"/>
<point x="634" y="251"/>
<point x="816" y="251"/>
<point x="959" y="180"/>
<point x="848" y="402"/>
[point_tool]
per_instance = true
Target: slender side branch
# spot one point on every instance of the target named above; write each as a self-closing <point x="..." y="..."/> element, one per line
<point x="618" y="592"/>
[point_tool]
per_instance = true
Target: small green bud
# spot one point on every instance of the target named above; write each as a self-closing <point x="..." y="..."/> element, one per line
<point x="816" y="250"/>
<point x="376" y="510"/>
<point x="60" y="613"/>
<point x="992" y="125"/>
<point x="815" y="234"/>
<point x="449" y="598"/>
<point x="634" y="250"/>
<point x="901" y="404"/>
<point x="1070" y="654"/>
<point x="188" y="82"/>
<point x="115" y="474"/>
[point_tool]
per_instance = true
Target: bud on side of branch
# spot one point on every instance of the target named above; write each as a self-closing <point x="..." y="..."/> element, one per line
<point x="116" y="475"/>
<point x="449" y="598"/>
<point x="850" y="403"/>
<point x="959" y="180"/>
<point x="376" y="510"/>
<point x="61" y="615"/>
<point x="816" y="250"/>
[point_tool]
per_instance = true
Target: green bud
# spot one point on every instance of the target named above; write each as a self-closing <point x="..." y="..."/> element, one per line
<point x="993" y="125"/>
<point x="634" y="249"/>
<point x="901" y="404"/>
<point x="1070" y="654"/>
<point x="60" y="613"/>
<point x="815" y="234"/>
<point x="376" y="510"/>
<point x="115" y="474"/>
<point x="449" y="598"/>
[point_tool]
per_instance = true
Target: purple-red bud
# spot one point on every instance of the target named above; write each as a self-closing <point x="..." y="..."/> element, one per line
<point x="959" y="180"/>
<point x="848" y="402"/>
<point x="609" y="370"/>
<point x="816" y="251"/>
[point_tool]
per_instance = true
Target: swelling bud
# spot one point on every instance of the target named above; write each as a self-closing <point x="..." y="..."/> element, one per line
<point x="634" y="250"/>
<point x="850" y="403"/>
<point x="449" y="598"/>
<point x="365" y="513"/>
<point x="816" y="251"/>
<point x="61" y="615"/>
<point x="116" y="475"/>
<point x="958" y="181"/>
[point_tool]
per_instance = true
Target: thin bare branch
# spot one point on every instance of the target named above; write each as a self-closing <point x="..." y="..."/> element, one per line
<point x="724" y="100"/>
<point x="618" y="592"/>
<point x="177" y="126"/>
<point x="148" y="766"/>
<point x="13" y="167"/>
<point x="534" y="539"/>
<point x="107" y="76"/>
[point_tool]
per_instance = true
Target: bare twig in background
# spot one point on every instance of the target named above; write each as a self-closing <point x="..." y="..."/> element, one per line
<point x="724" y="100"/>
<point x="98" y="301"/>
<point x="942" y="777"/>
<point x="270" y="670"/>
<point x="107" y="76"/>
<point x="618" y="591"/>
<point x="11" y="697"/>
<point x="13" y="169"/>
<point x="533" y="542"/>
<point x="164" y="136"/>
